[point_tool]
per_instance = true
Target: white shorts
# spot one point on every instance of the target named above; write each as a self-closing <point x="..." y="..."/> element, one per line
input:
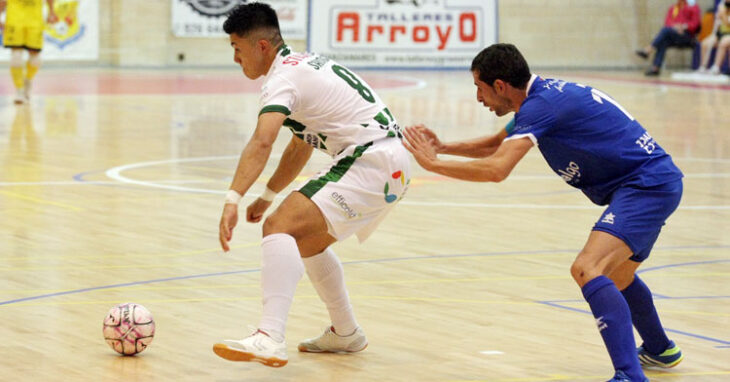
<point x="360" y="187"/>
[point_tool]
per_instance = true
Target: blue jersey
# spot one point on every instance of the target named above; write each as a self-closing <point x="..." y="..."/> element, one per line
<point x="589" y="140"/>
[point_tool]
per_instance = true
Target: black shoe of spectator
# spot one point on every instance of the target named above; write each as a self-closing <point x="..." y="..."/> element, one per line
<point x="652" y="72"/>
<point x="642" y="54"/>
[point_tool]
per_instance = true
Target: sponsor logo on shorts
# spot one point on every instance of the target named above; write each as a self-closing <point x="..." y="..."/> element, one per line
<point x="647" y="143"/>
<point x="608" y="219"/>
<point x="390" y="198"/>
<point x="571" y="174"/>
<point x="342" y="202"/>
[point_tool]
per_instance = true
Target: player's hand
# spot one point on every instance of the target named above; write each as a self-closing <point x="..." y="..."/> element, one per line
<point x="255" y="210"/>
<point x="228" y="222"/>
<point x="52" y="18"/>
<point x="420" y="146"/>
<point x="432" y="137"/>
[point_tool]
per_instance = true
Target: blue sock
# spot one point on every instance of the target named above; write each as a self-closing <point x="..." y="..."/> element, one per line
<point x="614" y="323"/>
<point x="645" y="318"/>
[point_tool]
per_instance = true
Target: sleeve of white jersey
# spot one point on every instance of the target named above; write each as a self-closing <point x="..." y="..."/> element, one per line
<point x="278" y="95"/>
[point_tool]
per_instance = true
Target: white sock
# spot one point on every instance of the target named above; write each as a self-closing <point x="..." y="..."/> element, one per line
<point x="281" y="269"/>
<point x="326" y="274"/>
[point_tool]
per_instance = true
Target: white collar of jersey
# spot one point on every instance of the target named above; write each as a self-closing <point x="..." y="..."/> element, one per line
<point x="533" y="77"/>
<point x="276" y="61"/>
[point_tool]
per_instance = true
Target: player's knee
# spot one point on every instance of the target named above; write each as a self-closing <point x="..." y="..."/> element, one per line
<point x="271" y="225"/>
<point x="576" y="270"/>
<point x="583" y="271"/>
<point x="34" y="59"/>
<point x="16" y="58"/>
<point x="275" y="224"/>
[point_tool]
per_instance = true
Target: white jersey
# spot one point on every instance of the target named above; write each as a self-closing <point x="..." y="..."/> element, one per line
<point x="328" y="106"/>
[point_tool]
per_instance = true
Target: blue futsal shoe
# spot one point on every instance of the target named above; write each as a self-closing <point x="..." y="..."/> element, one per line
<point x="622" y="377"/>
<point x="668" y="358"/>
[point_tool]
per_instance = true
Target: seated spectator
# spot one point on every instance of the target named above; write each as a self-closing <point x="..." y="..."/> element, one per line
<point x="720" y="38"/>
<point x="680" y="26"/>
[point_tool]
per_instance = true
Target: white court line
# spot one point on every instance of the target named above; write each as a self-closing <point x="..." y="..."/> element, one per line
<point x="115" y="173"/>
<point x="96" y="182"/>
<point x="491" y="352"/>
<point x="202" y="181"/>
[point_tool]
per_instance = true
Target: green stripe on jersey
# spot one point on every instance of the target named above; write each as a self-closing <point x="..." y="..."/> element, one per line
<point x="275" y="109"/>
<point x="335" y="173"/>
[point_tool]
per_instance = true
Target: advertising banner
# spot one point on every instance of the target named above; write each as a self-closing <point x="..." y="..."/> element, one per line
<point x="204" y="18"/>
<point x="402" y="33"/>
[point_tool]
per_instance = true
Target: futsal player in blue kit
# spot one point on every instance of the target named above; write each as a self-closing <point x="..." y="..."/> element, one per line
<point x="595" y="145"/>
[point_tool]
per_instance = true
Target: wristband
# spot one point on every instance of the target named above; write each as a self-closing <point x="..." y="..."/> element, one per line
<point x="268" y="195"/>
<point x="233" y="197"/>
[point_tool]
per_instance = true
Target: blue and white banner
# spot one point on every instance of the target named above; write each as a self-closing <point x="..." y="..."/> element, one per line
<point x="74" y="37"/>
<point x="204" y="18"/>
<point x="402" y="33"/>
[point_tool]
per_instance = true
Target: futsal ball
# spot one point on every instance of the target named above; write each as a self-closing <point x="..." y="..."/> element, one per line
<point x="129" y="328"/>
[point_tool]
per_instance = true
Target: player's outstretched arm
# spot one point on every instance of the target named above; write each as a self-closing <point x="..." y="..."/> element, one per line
<point x="494" y="168"/>
<point x="472" y="148"/>
<point x="295" y="156"/>
<point x="250" y="165"/>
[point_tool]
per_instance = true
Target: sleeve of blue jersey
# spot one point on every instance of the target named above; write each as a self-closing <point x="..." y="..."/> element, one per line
<point x="510" y="126"/>
<point x="536" y="117"/>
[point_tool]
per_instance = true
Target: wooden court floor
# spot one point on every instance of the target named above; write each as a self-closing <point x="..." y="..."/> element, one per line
<point x="111" y="187"/>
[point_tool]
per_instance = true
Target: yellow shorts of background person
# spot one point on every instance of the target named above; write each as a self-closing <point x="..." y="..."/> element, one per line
<point x="23" y="35"/>
<point x="24" y="24"/>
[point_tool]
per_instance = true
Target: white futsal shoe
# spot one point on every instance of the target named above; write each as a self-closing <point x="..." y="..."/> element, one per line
<point x="258" y="347"/>
<point x="331" y="342"/>
<point x="19" y="97"/>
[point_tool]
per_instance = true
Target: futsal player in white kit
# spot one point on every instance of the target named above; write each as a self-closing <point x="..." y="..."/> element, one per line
<point x="327" y="107"/>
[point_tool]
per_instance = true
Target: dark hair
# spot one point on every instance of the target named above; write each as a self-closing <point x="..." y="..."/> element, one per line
<point x="503" y="62"/>
<point x="252" y="17"/>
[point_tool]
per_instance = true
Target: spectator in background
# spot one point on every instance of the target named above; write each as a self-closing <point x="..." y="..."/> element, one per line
<point x="680" y="26"/>
<point x="720" y="38"/>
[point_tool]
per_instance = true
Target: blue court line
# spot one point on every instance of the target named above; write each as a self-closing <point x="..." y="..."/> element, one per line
<point x="122" y="285"/>
<point x="553" y="303"/>
<point x="725" y="344"/>
<point x="204" y="275"/>
<point x="699" y="336"/>
<point x="80" y="176"/>
<point x="681" y="265"/>
<point x="370" y="261"/>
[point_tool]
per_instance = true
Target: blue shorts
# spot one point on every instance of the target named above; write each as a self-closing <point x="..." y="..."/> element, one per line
<point x="636" y="215"/>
